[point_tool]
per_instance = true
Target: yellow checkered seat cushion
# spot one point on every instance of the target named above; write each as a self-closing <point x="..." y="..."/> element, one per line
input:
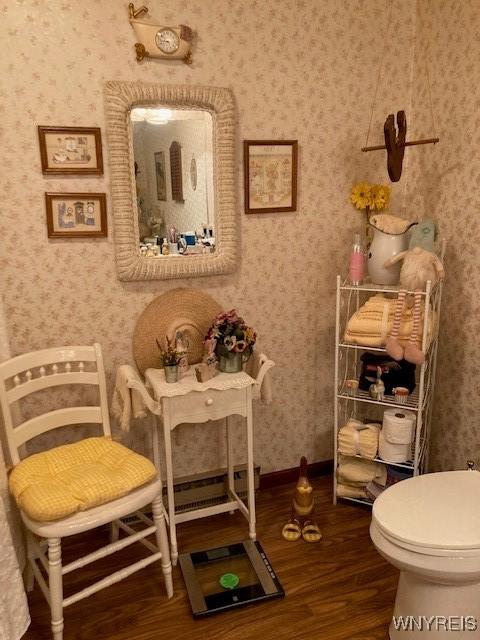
<point x="75" y="477"/>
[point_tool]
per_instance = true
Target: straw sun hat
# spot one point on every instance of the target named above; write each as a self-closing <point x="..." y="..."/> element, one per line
<point x="187" y="310"/>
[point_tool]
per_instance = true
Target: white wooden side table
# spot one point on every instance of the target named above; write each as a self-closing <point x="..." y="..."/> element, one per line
<point x="189" y="401"/>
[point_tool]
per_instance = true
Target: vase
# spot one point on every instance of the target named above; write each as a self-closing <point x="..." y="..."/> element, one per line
<point x="385" y="246"/>
<point x="231" y="364"/>
<point x="171" y="373"/>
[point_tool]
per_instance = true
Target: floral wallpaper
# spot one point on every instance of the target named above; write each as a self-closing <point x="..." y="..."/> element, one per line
<point x="443" y="184"/>
<point x="299" y="69"/>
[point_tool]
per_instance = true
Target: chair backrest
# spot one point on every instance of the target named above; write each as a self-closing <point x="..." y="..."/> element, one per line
<point x="31" y="372"/>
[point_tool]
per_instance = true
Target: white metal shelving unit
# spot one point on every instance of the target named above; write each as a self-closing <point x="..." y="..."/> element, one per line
<point x="347" y="365"/>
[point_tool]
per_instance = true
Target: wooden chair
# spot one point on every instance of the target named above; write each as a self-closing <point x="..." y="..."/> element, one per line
<point x="39" y="370"/>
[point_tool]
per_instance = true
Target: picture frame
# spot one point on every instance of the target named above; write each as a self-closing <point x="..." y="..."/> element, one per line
<point x="76" y="215"/>
<point x="71" y="150"/>
<point x="270" y="175"/>
<point x="161" y="175"/>
<point x="176" y="171"/>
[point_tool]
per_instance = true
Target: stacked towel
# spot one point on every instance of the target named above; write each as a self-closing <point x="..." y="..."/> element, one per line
<point x="357" y="438"/>
<point x="372" y="323"/>
<point x="347" y="491"/>
<point x="354" y="474"/>
<point x="359" y="473"/>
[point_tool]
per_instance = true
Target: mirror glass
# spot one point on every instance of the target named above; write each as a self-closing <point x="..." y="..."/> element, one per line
<point x="173" y="159"/>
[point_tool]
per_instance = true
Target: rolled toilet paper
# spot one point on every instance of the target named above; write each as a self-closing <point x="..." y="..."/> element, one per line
<point x="398" y="426"/>
<point x="393" y="451"/>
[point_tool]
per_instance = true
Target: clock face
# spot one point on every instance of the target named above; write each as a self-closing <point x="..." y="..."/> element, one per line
<point x="167" y="40"/>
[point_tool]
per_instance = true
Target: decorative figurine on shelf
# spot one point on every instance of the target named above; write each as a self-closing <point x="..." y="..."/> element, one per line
<point x="300" y="523"/>
<point x="377" y="389"/>
<point x="420" y="264"/>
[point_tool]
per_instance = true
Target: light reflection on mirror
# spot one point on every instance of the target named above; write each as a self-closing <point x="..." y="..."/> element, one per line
<point x="175" y="202"/>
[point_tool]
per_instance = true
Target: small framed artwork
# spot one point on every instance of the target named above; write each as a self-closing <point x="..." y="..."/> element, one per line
<point x="270" y="171"/>
<point x="76" y="215"/>
<point x="161" y="175"/>
<point x="71" y="150"/>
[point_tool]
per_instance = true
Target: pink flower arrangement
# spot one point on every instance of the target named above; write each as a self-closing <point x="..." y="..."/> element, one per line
<point x="228" y="335"/>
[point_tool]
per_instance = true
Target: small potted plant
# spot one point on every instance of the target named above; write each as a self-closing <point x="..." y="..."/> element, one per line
<point x="170" y="359"/>
<point x="230" y="340"/>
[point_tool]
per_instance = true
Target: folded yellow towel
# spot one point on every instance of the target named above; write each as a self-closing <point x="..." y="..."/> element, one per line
<point x="357" y="472"/>
<point x="373" y="322"/>
<point x="348" y="491"/>
<point x="357" y="438"/>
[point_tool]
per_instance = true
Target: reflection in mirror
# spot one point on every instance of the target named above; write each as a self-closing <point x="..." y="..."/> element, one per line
<point x="175" y="210"/>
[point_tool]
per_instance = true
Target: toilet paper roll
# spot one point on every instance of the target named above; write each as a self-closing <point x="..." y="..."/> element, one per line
<point x="398" y="426"/>
<point x="393" y="452"/>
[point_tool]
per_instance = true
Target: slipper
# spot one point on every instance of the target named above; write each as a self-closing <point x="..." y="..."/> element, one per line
<point x="291" y="531"/>
<point x="311" y="532"/>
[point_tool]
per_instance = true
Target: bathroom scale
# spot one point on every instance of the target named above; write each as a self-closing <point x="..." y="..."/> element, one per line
<point x="228" y="577"/>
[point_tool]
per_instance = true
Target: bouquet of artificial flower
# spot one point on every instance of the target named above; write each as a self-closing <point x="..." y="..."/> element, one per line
<point x="370" y="197"/>
<point x="229" y="335"/>
<point x="169" y="356"/>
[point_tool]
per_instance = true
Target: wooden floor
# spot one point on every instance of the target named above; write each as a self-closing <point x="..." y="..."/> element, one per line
<point x="337" y="589"/>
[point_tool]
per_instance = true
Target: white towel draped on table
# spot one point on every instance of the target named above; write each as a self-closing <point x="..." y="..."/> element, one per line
<point x="126" y="402"/>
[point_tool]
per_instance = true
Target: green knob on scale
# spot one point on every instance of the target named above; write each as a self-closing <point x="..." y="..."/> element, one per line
<point x="229" y="580"/>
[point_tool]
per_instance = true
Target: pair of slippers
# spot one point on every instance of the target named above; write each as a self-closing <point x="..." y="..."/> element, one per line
<point x="309" y="531"/>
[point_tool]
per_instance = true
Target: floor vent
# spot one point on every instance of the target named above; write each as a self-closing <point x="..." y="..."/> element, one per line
<point x="205" y="489"/>
<point x="209" y="488"/>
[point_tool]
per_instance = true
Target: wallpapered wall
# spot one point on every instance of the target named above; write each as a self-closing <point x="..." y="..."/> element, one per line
<point x="443" y="183"/>
<point x="299" y="69"/>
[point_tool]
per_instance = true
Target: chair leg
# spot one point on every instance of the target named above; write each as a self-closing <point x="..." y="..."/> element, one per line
<point x="55" y="581"/>
<point x="29" y="576"/>
<point x="163" y="543"/>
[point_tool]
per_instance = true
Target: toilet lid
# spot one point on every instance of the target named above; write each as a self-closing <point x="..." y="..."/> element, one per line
<point x="433" y="511"/>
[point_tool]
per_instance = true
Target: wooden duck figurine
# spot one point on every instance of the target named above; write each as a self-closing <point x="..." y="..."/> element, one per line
<point x="300" y="523"/>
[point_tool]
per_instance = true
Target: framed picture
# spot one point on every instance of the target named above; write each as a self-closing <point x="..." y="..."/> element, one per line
<point x="270" y="170"/>
<point x="71" y="150"/>
<point x="76" y="215"/>
<point x="176" y="171"/>
<point x="161" y="175"/>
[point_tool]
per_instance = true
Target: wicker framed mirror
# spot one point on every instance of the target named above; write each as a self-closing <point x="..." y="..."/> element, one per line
<point x="159" y="233"/>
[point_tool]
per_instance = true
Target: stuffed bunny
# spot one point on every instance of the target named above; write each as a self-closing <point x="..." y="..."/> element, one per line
<point x="420" y="264"/>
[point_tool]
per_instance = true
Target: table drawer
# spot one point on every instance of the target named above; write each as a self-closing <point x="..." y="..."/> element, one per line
<point x="199" y="406"/>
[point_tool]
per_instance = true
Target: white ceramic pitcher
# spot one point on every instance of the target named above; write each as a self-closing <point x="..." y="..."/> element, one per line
<point x="383" y="247"/>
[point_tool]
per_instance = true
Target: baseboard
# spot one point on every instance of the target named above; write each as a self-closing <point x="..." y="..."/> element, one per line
<point x="287" y="476"/>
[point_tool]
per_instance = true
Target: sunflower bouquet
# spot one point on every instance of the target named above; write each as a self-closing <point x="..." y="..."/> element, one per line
<point x="229" y="335"/>
<point x="370" y="197"/>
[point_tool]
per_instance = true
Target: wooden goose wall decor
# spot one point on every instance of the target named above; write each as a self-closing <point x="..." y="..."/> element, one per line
<point x="395" y="144"/>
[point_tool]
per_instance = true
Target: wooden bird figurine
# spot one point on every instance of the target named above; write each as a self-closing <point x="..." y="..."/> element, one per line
<point x="300" y="523"/>
<point x="395" y="144"/>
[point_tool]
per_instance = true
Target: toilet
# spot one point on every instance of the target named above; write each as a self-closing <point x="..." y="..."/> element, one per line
<point x="429" y="528"/>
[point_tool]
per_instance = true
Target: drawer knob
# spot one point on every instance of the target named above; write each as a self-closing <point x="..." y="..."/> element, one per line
<point x="209" y="402"/>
